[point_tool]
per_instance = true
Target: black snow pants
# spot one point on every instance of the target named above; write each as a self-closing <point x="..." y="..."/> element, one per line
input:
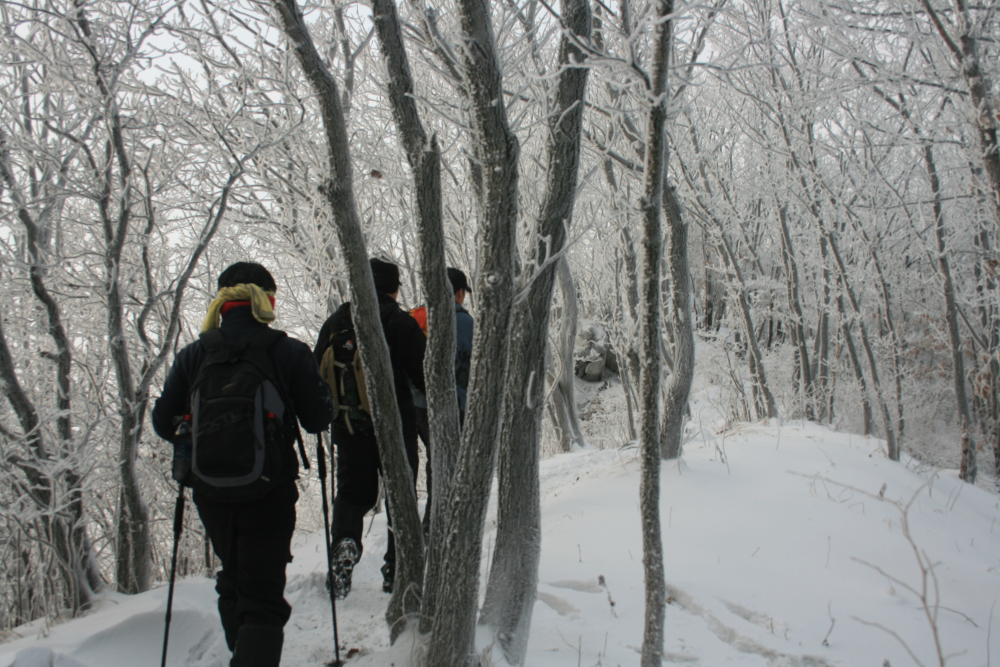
<point x="358" y="466"/>
<point x="253" y="541"/>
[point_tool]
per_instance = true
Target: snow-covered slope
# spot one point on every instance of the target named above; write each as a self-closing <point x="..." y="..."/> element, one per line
<point x="784" y="545"/>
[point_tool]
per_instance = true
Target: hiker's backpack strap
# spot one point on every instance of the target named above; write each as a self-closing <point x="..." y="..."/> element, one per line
<point x="263" y="340"/>
<point x="332" y="372"/>
<point x="241" y="431"/>
<point x="359" y="373"/>
<point x="212" y="340"/>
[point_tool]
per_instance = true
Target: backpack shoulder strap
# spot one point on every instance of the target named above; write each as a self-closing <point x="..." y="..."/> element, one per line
<point x="212" y="340"/>
<point x="262" y="341"/>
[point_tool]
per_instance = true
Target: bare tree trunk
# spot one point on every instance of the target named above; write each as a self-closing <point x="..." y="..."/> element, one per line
<point x="453" y="625"/>
<point x="898" y="347"/>
<point x="890" y="431"/>
<point x="986" y="290"/>
<point x="798" y="320"/>
<point x="628" y="318"/>
<point x="511" y="589"/>
<point x="567" y="420"/>
<point x="969" y="465"/>
<point x="824" y="390"/>
<point x="859" y="373"/>
<point x="624" y="346"/>
<point x="349" y="56"/>
<point x="339" y="190"/>
<point x="133" y="548"/>
<point x="632" y="299"/>
<point x="439" y="362"/>
<point x="678" y="389"/>
<point x="821" y="353"/>
<point x="655" y="170"/>
<point x="764" y="405"/>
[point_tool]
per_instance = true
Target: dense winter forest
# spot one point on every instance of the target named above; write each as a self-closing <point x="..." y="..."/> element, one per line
<point x="814" y="183"/>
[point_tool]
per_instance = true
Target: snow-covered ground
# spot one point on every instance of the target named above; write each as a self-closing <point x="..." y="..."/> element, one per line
<point x="785" y="545"/>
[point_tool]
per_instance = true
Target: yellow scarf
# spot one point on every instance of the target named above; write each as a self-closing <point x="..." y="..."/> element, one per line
<point x="258" y="298"/>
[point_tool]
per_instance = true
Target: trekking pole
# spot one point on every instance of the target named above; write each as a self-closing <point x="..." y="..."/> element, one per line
<point x="321" y="459"/>
<point x="178" y="526"/>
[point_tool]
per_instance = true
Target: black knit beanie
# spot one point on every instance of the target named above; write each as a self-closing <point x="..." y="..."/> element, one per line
<point x="386" y="275"/>
<point x="247" y="273"/>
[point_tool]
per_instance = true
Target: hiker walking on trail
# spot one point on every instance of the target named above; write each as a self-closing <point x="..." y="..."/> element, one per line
<point x="463" y="362"/>
<point x="231" y="404"/>
<point x="358" y="462"/>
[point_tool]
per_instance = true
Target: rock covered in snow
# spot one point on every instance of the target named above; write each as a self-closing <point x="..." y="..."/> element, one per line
<point x="591" y="351"/>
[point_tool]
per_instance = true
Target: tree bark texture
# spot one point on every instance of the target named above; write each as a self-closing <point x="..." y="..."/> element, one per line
<point x="898" y="346"/>
<point x="868" y="420"/>
<point x="339" y="192"/>
<point x="821" y="353"/>
<point x="513" y="582"/>
<point x="968" y="466"/>
<point x="424" y="158"/>
<point x="890" y="430"/>
<point x="439" y="371"/>
<point x="764" y="405"/>
<point x="564" y="391"/>
<point x="678" y="387"/>
<point x="798" y="319"/>
<point x="453" y="624"/>
<point x="651" y="333"/>
<point x="133" y="549"/>
<point x="630" y="322"/>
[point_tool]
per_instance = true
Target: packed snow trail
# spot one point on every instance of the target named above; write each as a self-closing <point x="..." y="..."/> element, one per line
<point x="777" y="539"/>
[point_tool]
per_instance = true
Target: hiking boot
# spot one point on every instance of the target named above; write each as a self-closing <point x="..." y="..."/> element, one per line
<point x="388" y="577"/>
<point x="345" y="555"/>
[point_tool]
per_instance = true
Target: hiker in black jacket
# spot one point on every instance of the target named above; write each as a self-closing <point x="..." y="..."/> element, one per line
<point x="358" y="462"/>
<point x="252" y="538"/>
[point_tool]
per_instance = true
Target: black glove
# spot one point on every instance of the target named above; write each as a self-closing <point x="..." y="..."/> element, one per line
<point x="182" y="463"/>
